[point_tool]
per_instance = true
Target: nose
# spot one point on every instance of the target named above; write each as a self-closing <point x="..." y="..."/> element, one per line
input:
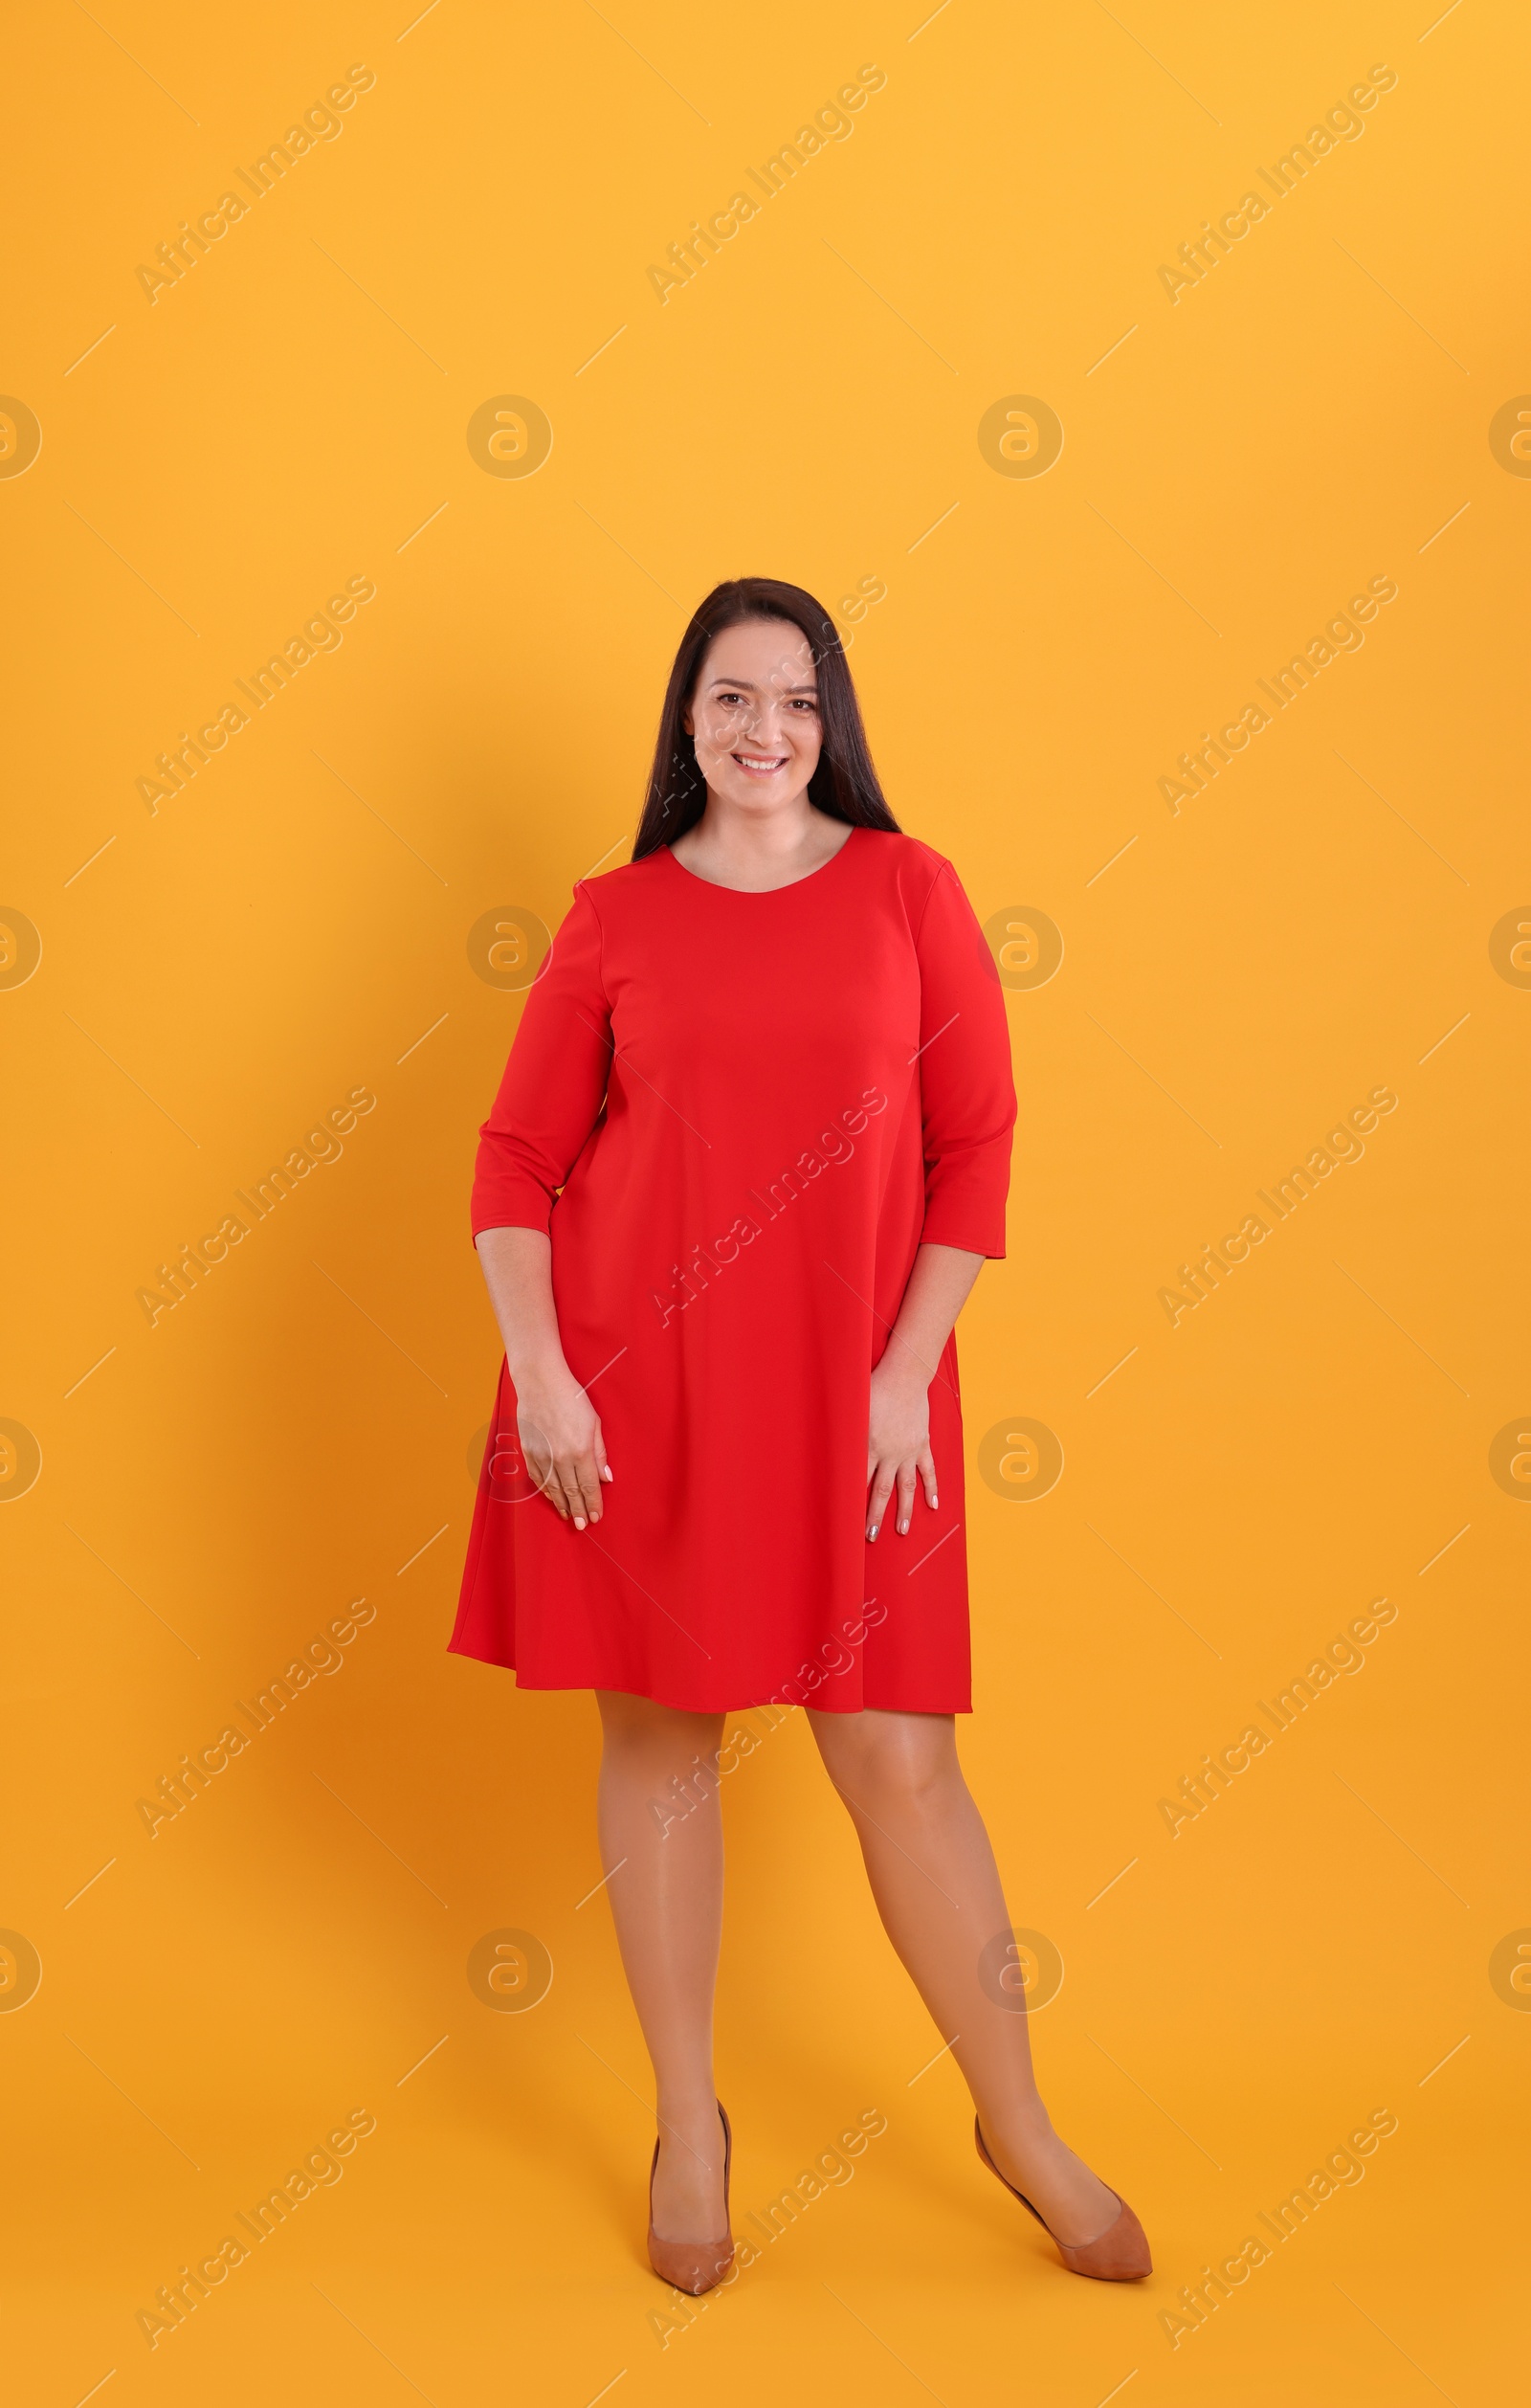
<point x="766" y="725"/>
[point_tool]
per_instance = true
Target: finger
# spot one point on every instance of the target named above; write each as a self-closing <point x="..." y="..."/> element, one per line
<point x="926" y="1466"/>
<point x="544" y="1469"/>
<point x="590" y="1487"/>
<point x="540" y="1466"/>
<point x="881" y="1491"/>
<point x="906" y="1496"/>
<point x="598" y="1444"/>
<point x="568" y="1480"/>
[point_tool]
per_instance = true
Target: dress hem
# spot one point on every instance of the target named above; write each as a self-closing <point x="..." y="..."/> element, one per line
<point x="687" y="1706"/>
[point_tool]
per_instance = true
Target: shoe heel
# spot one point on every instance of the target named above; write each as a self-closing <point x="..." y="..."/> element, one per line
<point x="694" y="2266"/>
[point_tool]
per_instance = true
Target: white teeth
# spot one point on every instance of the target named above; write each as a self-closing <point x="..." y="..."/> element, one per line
<point x="761" y="761"/>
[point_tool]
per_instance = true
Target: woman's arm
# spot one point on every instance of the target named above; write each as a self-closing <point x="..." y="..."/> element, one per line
<point x="967" y="1110"/>
<point x="898" y="1432"/>
<point x="559" y="1428"/>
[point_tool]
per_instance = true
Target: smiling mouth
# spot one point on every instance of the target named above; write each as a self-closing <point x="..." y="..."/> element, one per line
<point x="760" y="764"/>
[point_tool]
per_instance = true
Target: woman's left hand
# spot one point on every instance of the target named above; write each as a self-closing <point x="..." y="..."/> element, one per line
<point x="898" y="1444"/>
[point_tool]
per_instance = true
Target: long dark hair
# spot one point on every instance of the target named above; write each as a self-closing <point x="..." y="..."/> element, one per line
<point x="844" y="786"/>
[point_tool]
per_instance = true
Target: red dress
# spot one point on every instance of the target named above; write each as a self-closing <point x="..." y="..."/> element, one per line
<point x="737" y="1116"/>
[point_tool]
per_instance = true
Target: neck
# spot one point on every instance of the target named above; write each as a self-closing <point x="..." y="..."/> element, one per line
<point x="732" y="847"/>
<point x="773" y="838"/>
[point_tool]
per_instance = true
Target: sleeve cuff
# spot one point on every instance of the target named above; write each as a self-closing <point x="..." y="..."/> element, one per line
<point x="511" y="1212"/>
<point x="947" y="1228"/>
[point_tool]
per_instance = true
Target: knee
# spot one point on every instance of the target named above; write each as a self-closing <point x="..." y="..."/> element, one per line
<point x="923" y="1783"/>
<point x="656" y="1742"/>
<point x="901" y="1767"/>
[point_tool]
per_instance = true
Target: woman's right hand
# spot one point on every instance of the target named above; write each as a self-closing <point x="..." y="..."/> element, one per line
<point x="560" y="1440"/>
<point x="559" y="1428"/>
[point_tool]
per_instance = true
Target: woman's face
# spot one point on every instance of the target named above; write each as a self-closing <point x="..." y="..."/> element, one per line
<point x="754" y="716"/>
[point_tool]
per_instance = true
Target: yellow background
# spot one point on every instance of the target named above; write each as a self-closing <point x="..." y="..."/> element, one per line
<point x="216" y="1489"/>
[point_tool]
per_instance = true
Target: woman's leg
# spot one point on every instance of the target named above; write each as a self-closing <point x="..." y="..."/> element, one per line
<point x="663" y="1849"/>
<point x="937" y="1890"/>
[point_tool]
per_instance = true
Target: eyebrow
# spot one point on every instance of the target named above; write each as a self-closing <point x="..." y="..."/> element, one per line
<point x="748" y="685"/>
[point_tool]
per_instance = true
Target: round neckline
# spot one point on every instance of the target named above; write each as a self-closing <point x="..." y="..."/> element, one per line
<point x="759" y="894"/>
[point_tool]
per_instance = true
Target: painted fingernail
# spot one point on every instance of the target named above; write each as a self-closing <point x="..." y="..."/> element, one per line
<point x="579" y="1523"/>
<point x="873" y="1532"/>
<point x="903" y="1527"/>
<point x="607" y="1473"/>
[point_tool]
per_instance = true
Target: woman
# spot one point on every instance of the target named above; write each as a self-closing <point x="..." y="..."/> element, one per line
<point x="750" y="1151"/>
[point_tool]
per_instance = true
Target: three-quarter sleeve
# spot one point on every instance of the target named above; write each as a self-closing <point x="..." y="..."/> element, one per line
<point x="967" y="1094"/>
<point x="554" y="1087"/>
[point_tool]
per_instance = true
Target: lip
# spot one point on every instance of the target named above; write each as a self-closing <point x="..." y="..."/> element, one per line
<point x="769" y="765"/>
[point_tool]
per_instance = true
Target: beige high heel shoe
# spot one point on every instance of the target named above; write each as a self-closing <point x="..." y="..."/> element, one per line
<point x="1117" y="2254"/>
<point x="694" y="2266"/>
